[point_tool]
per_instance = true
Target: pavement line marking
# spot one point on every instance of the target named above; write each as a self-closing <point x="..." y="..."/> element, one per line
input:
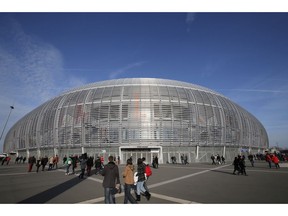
<point x="184" y="177"/>
<point x="95" y="179"/>
<point x="173" y="199"/>
<point x="92" y="201"/>
<point x="99" y="199"/>
<point x="159" y="196"/>
<point x="155" y="185"/>
<point x="9" y="174"/>
<point x="254" y="169"/>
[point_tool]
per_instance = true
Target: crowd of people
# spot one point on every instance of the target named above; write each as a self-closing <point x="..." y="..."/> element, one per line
<point x="52" y="163"/>
<point x="183" y="158"/>
<point x="5" y="160"/>
<point x="240" y="166"/>
<point x="216" y="159"/>
<point x="135" y="177"/>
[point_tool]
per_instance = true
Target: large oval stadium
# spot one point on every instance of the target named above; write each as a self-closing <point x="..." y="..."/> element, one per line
<point x="138" y="117"/>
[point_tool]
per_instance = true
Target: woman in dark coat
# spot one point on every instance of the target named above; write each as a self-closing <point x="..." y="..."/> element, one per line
<point x="141" y="178"/>
<point x="236" y="165"/>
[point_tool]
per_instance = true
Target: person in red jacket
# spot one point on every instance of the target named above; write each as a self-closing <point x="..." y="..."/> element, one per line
<point x="268" y="159"/>
<point x="275" y="160"/>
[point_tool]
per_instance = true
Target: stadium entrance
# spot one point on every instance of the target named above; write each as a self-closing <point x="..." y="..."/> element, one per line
<point x="140" y="151"/>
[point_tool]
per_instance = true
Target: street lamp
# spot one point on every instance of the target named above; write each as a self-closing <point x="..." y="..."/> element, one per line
<point x="11" y="108"/>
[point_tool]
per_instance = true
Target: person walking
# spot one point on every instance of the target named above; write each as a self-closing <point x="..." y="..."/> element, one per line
<point x="38" y="164"/>
<point x="75" y="160"/>
<point x="111" y="180"/>
<point x="213" y="159"/>
<point x="44" y="161"/>
<point x="56" y="161"/>
<point x="251" y="159"/>
<point x="236" y="165"/>
<point x="64" y="159"/>
<point x="222" y="159"/>
<point x="147" y="177"/>
<point x="242" y="166"/>
<point x="68" y="163"/>
<point x="83" y="164"/>
<point x="141" y="179"/>
<point x="89" y="165"/>
<point x="157" y="163"/>
<point x="268" y="159"/>
<point x="31" y="162"/>
<point x="275" y="160"/>
<point x="51" y="160"/>
<point x="98" y="165"/>
<point x="128" y="176"/>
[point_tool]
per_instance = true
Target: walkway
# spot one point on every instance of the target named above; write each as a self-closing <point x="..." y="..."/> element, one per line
<point x="170" y="184"/>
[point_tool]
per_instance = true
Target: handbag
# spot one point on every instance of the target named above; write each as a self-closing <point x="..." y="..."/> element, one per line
<point x="135" y="178"/>
<point x="117" y="189"/>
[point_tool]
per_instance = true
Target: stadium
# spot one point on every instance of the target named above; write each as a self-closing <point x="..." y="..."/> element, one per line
<point x="138" y="117"/>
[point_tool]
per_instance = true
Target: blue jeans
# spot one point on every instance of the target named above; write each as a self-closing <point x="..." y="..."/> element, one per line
<point x="67" y="168"/>
<point x="109" y="196"/>
<point x="140" y="187"/>
<point x="128" y="195"/>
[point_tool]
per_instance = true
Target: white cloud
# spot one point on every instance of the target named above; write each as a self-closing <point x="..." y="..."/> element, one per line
<point x="266" y="98"/>
<point x="29" y="71"/>
<point x="28" y="65"/>
<point x="123" y="70"/>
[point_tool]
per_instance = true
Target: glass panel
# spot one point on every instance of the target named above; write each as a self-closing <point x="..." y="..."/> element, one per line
<point x="166" y="111"/>
<point x="107" y="93"/>
<point x="197" y="96"/>
<point x="124" y="111"/>
<point x="98" y="94"/>
<point x="114" y="112"/>
<point x="116" y="93"/>
<point x="201" y="115"/>
<point x="163" y="91"/>
<point x="190" y="96"/>
<point x="154" y="92"/>
<point x="104" y="112"/>
<point x="177" y="114"/>
<point x="145" y="92"/>
<point x="173" y="94"/>
<point x="157" y="111"/>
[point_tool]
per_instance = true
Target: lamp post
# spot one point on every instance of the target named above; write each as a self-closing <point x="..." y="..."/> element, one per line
<point x="11" y="108"/>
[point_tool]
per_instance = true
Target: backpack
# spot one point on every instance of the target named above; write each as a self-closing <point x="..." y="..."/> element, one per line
<point x="148" y="170"/>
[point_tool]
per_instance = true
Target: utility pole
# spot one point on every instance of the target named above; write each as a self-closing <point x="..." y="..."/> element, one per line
<point x="11" y="108"/>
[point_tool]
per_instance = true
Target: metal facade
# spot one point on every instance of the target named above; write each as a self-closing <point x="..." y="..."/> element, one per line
<point x="137" y="112"/>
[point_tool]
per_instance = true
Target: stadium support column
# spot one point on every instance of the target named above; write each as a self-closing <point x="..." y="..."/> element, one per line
<point x="82" y="150"/>
<point x="197" y="152"/>
<point x="55" y="151"/>
<point x="38" y="153"/>
<point x="27" y="153"/>
<point x="224" y="151"/>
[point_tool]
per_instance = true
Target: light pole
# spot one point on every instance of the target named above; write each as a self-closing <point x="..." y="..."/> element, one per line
<point x="11" y="108"/>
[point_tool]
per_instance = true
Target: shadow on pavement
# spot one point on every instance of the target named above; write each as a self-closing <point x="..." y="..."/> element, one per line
<point x="45" y="196"/>
<point x="221" y="171"/>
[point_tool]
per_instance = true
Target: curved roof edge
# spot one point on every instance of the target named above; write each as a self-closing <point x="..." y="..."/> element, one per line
<point x="141" y="81"/>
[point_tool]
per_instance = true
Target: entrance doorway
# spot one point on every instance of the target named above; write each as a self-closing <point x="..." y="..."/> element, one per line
<point x="139" y="152"/>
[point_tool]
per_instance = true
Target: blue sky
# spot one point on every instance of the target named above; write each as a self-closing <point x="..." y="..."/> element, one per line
<point x="243" y="56"/>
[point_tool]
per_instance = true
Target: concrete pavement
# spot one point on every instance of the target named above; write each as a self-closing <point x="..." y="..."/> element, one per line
<point x="170" y="184"/>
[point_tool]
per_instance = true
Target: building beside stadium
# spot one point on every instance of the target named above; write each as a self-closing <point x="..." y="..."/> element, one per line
<point x="138" y="117"/>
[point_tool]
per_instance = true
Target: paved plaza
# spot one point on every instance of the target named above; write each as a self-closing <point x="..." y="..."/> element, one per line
<point x="198" y="183"/>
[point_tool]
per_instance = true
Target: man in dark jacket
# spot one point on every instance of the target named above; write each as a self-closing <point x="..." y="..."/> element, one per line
<point x="98" y="165"/>
<point x="111" y="180"/>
